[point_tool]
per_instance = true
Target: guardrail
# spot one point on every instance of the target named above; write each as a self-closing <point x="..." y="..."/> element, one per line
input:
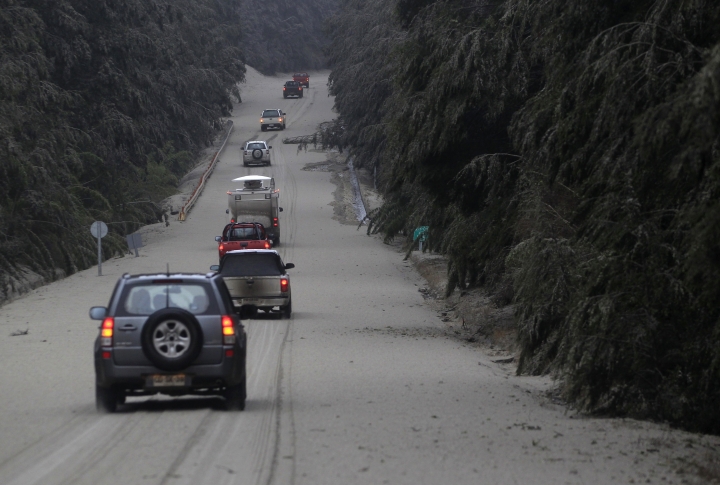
<point x="201" y="184"/>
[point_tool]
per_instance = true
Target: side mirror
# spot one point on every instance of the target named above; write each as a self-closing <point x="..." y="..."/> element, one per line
<point x="269" y="147"/>
<point x="280" y="209"/>
<point x="98" y="313"/>
<point x="289" y="266"/>
<point x="215" y="267"/>
<point x="218" y="238"/>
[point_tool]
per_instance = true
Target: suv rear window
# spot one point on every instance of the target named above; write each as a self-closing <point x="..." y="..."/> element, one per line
<point x="253" y="146"/>
<point x="252" y="264"/>
<point x="270" y="113"/>
<point x="292" y="84"/>
<point x="147" y="298"/>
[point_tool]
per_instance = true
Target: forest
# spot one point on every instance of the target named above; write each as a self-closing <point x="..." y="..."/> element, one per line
<point x="565" y="156"/>
<point x="105" y="104"/>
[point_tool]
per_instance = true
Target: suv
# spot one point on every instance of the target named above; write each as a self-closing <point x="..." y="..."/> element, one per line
<point x="272" y="118"/>
<point x="302" y="78"/>
<point x="256" y="151"/>
<point x="169" y="333"/>
<point x="292" y="88"/>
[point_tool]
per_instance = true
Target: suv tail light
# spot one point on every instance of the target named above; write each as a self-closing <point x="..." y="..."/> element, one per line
<point x="228" y="330"/>
<point x="106" y="332"/>
<point x="284" y="284"/>
<point x="275" y="222"/>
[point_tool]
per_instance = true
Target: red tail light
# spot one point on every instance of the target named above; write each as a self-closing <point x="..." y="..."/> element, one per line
<point x="283" y="89"/>
<point x="228" y="330"/>
<point x="275" y="221"/>
<point x="267" y="245"/>
<point x="106" y="331"/>
<point x="232" y="220"/>
<point x="284" y="284"/>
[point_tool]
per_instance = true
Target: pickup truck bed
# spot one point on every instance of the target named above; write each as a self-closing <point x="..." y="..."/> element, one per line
<point x="257" y="279"/>
<point x="242" y="235"/>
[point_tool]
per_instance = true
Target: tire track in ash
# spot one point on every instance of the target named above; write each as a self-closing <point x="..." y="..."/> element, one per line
<point x="239" y="447"/>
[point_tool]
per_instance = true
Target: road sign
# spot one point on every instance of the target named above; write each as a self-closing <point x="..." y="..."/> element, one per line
<point x="98" y="227"/>
<point x="420" y="233"/>
<point x="99" y="230"/>
<point x="134" y="242"/>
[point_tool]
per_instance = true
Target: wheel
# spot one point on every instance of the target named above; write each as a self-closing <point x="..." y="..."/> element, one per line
<point x="235" y="396"/>
<point x="287" y="310"/>
<point x="106" y="399"/>
<point x="276" y="241"/>
<point x="172" y="339"/>
<point x="257" y="154"/>
<point x="245" y="164"/>
<point x="285" y="96"/>
<point x="301" y="95"/>
<point x="283" y="126"/>
<point x="263" y="128"/>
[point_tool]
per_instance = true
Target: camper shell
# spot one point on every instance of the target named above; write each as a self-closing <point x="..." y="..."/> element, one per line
<point x="256" y="200"/>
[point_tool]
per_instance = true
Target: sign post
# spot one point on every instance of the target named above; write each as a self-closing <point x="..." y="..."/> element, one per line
<point x="99" y="230"/>
<point x="420" y="235"/>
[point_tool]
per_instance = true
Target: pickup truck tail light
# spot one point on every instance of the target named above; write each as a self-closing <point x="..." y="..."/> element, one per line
<point x="228" y="330"/>
<point x="267" y="245"/>
<point x="275" y="222"/>
<point x="106" y="332"/>
<point x="284" y="284"/>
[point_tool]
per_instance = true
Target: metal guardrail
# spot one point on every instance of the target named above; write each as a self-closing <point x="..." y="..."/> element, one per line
<point x="201" y="184"/>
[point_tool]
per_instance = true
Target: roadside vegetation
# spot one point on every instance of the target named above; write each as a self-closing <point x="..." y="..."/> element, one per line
<point x="285" y="35"/>
<point x="103" y="105"/>
<point x="565" y="156"/>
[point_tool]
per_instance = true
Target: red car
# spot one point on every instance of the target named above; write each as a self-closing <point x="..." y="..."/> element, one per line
<point x="242" y="235"/>
<point x="302" y="78"/>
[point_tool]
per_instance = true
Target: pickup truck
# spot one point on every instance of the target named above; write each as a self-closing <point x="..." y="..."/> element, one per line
<point x="302" y="78"/>
<point x="257" y="280"/>
<point x="272" y="118"/>
<point x="242" y="235"/>
<point x="292" y="88"/>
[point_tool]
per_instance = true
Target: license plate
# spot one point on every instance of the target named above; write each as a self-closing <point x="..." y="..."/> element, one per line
<point x="160" y="380"/>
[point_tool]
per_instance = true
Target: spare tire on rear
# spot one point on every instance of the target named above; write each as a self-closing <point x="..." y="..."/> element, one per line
<point x="172" y="339"/>
<point x="257" y="154"/>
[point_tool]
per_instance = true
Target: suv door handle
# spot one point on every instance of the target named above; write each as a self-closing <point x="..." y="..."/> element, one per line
<point x="128" y="327"/>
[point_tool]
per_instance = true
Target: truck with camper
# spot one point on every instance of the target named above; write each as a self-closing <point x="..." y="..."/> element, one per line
<point x="256" y="200"/>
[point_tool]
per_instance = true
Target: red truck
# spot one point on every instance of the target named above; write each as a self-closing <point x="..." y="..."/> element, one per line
<point x="302" y="78"/>
<point x="242" y="235"/>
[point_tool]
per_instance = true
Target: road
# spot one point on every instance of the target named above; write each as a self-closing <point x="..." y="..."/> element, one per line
<point x="361" y="386"/>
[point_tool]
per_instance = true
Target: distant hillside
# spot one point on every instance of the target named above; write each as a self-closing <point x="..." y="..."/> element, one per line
<point x="283" y="35"/>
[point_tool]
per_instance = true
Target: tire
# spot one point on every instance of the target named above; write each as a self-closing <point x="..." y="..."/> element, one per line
<point x="283" y="126"/>
<point x="285" y="96"/>
<point x="257" y="154"/>
<point x="263" y="128"/>
<point x="301" y="96"/>
<point x="172" y="339"/>
<point x="106" y="399"/>
<point x="235" y="396"/>
<point x="287" y="310"/>
<point x="245" y="164"/>
<point x="276" y="241"/>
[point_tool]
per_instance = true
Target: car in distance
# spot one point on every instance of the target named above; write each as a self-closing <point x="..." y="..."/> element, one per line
<point x="302" y="78"/>
<point x="257" y="280"/>
<point x="272" y="118"/>
<point x="242" y="235"/>
<point x="292" y="88"/>
<point x="256" y="152"/>
<point x="170" y="333"/>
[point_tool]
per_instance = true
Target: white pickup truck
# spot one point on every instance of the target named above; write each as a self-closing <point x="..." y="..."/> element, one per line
<point x="257" y="280"/>
<point x="272" y="118"/>
<point x="256" y="200"/>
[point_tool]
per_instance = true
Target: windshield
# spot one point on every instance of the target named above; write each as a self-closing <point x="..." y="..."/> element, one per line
<point x="269" y="113"/>
<point x="148" y="298"/>
<point x="252" y="264"/>
<point x="253" y="146"/>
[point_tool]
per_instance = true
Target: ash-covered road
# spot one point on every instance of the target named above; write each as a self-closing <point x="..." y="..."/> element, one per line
<point x="361" y="386"/>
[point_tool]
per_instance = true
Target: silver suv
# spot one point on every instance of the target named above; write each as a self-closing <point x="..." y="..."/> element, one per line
<point x="256" y="152"/>
<point x="169" y="333"/>
<point x="272" y="118"/>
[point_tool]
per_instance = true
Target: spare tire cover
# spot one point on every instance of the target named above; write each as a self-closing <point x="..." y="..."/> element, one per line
<point x="257" y="154"/>
<point x="172" y="339"/>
